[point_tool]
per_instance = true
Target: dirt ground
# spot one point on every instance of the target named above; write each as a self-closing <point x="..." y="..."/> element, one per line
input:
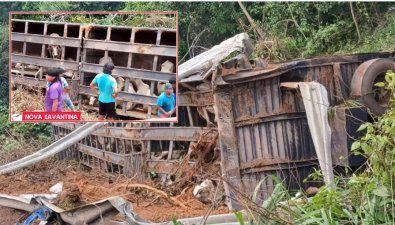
<point x="9" y="216"/>
<point x="81" y="187"/>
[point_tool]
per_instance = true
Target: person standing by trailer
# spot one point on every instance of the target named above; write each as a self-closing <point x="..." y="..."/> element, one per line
<point x="166" y="102"/>
<point x="66" y="89"/>
<point x="66" y="97"/>
<point x="106" y="87"/>
<point x="53" y="95"/>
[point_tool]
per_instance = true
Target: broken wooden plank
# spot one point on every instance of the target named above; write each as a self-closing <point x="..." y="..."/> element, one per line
<point x="289" y="85"/>
<point x="228" y="148"/>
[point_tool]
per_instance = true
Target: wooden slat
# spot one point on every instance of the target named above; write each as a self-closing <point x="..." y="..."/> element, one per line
<point x="195" y="99"/>
<point x="18" y="58"/>
<point x="133" y="97"/>
<point x="29" y="81"/>
<point x="264" y="117"/>
<point x="228" y="147"/>
<point x="42" y="39"/>
<point x="103" y="155"/>
<point x="169" y="51"/>
<point x="149" y="133"/>
<point x="130" y="72"/>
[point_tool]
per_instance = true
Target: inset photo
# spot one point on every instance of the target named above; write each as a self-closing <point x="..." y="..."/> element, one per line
<point x="93" y="66"/>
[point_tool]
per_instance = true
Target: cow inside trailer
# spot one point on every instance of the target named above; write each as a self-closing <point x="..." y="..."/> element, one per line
<point x="82" y="47"/>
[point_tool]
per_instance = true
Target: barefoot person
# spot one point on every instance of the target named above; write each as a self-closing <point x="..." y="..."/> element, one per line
<point x="166" y="102"/>
<point x="53" y="96"/>
<point x="106" y="87"/>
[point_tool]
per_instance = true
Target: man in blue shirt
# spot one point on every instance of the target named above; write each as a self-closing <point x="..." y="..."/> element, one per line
<point x="166" y="102"/>
<point x="106" y="86"/>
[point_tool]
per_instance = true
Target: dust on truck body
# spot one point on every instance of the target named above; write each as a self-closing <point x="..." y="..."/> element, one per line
<point x="137" y="53"/>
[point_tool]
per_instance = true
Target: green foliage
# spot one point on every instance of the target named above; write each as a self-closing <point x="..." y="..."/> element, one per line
<point x="240" y="217"/>
<point x="292" y="29"/>
<point x="175" y="221"/>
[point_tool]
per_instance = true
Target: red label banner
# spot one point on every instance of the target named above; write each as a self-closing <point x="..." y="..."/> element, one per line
<point x="51" y="116"/>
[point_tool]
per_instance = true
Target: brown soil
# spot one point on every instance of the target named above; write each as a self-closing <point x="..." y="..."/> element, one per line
<point x="81" y="187"/>
<point x="9" y="216"/>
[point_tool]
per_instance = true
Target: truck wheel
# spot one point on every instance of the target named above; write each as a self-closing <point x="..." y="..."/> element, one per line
<point x="363" y="84"/>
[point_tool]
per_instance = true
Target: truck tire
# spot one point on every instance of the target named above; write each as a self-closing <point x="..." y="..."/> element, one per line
<point x="363" y="82"/>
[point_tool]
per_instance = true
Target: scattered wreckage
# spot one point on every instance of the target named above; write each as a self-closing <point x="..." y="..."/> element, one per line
<point x="112" y="211"/>
<point x="262" y="119"/>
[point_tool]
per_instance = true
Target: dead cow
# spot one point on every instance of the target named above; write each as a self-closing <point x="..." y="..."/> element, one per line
<point x="205" y="191"/>
<point x="129" y="89"/>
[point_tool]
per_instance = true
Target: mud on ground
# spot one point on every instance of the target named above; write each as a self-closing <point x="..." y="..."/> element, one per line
<point x="82" y="187"/>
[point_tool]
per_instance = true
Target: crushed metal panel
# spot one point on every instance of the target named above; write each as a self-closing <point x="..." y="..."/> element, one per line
<point x="204" y="61"/>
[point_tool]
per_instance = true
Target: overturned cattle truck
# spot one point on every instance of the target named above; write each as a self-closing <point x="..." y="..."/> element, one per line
<point x="259" y="118"/>
<point x="143" y="57"/>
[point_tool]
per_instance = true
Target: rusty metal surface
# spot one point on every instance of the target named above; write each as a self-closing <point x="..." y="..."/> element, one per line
<point x="280" y="68"/>
<point x="272" y="134"/>
<point x="195" y="99"/>
<point x="287" y="140"/>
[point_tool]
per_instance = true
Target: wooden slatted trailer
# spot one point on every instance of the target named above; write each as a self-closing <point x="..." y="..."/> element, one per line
<point x="138" y="149"/>
<point x="29" y="51"/>
<point x="263" y="128"/>
<point x="137" y="53"/>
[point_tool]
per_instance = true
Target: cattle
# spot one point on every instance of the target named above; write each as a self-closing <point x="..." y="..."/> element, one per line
<point x="55" y="51"/>
<point x="135" y="86"/>
<point x="129" y="89"/>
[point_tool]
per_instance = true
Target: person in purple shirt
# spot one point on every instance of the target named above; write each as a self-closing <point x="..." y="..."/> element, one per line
<point x="53" y="96"/>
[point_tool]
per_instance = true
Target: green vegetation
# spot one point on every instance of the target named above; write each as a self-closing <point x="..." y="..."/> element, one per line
<point x="291" y="30"/>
